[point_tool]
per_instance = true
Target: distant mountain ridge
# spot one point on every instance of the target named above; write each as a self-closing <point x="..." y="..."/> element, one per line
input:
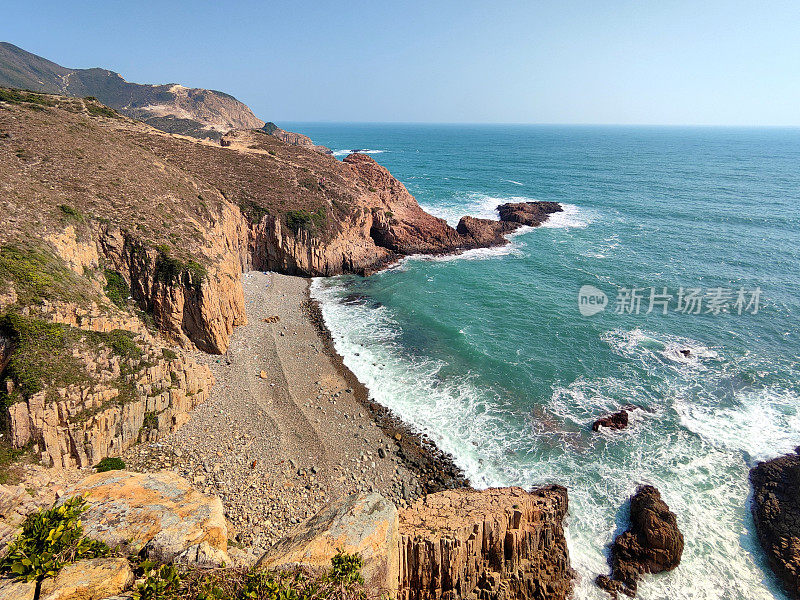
<point x="170" y="107"/>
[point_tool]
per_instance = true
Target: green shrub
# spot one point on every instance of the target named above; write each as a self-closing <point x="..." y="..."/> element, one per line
<point x="50" y="539"/>
<point x="170" y="270"/>
<point x="42" y="356"/>
<point x="100" y="110"/>
<point x="121" y="343"/>
<point x="161" y="582"/>
<point x="303" y="219"/>
<point x="71" y="212"/>
<point x="165" y="582"/>
<point x="347" y="568"/>
<point x="20" y="96"/>
<point x="37" y="274"/>
<point x="169" y="354"/>
<point x="110" y="464"/>
<point x="117" y="288"/>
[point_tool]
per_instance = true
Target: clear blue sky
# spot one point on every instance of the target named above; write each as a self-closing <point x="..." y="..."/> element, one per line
<point x="603" y="61"/>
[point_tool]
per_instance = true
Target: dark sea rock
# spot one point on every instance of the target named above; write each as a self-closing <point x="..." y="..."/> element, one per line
<point x="617" y="420"/>
<point x="528" y="213"/>
<point x="776" y="512"/>
<point x="652" y="544"/>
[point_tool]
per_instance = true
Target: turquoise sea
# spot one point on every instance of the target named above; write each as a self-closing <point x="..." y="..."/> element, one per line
<point x="488" y="354"/>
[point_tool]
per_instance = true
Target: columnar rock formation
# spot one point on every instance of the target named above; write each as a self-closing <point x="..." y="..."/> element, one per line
<point x="776" y="512"/>
<point x="80" y="424"/>
<point x="494" y="544"/>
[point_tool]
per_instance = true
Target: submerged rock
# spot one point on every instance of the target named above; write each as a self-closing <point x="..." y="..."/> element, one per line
<point x="617" y="420"/>
<point x="776" y="512"/>
<point x="652" y="544"/>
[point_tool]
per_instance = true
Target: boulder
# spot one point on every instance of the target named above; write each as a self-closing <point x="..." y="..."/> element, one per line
<point x="528" y="213"/>
<point x="91" y="579"/>
<point x="158" y="513"/>
<point x="502" y="543"/>
<point x="652" y="544"/>
<point x="11" y="589"/>
<point x="359" y="524"/>
<point x="617" y="420"/>
<point x="776" y="512"/>
<point x="16" y="504"/>
<point x="485" y="232"/>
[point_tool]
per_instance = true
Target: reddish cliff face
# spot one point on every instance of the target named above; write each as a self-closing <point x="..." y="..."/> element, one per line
<point x="181" y="219"/>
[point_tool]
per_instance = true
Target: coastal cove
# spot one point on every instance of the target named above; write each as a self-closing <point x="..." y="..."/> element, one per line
<point x="488" y="355"/>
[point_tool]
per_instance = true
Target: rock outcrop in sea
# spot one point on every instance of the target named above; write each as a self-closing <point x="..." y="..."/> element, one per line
<point x="652" y="544"/>
<point x="776" y="512"/>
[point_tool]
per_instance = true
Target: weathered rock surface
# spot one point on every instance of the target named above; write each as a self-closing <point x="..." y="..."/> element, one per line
<point x="362" y="524"/>
<point x="15" y="504"/>
<point x="491" y="544"/>
<point x="652" y="544"/>
<point x="528" y="213"/>
<point x="776" y="512"/>
<point x="617" y="420"/>
<point x="12" y="589"/>
<point x="158" y="513"/>
<point x="91" y="579"/>
<point x="85" y="423"/>
<point x="485" y="232"/>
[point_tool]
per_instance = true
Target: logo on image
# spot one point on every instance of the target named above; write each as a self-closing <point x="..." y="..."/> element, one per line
<point x="591" y="300"/>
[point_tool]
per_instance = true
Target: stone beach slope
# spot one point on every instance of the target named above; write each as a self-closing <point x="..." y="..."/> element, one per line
<point x="286" y="429"/>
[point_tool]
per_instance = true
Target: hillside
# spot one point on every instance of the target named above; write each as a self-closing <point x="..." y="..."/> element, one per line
<point x="171" y="107"/>
<point x="124" y="249"/>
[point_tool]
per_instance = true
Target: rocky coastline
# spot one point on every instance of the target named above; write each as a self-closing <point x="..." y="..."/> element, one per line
<point x="220" y="384"/>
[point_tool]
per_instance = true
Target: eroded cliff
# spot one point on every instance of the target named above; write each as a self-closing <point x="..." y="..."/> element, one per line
<point x="109" y="220"/>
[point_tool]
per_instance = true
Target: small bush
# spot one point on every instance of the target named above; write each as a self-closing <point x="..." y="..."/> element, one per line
<point x="38" y="274"/>
<point x="347" y="568"/>
<point x="42" y="356"/>
<point x="71" y="212"/>
<point x="169" y="354"/>
<point x="171" y="270"/>
<point x="165" y="582"/>
<point x="110" y="464"/>
<point x="117" y="288"/>
<point x="121" y="343"/>
<point x="161" y="582"/>
<point x="20" y="96"/>
<point x="99" y="110"/>
<point x="303" y="219"/>
<point x="150" y="421"/>
<point x="50" y="539"/>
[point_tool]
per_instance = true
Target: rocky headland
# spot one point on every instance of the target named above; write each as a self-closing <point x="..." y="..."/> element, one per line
<point x="137" y="321"/>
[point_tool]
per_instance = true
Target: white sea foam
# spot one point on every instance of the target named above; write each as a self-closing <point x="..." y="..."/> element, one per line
<point x="695" y="450"/>
<point x="571" y="217"/>
<point x="360" y="151"/>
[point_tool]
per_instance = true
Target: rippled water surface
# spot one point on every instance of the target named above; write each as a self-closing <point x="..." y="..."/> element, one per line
<point x="488" y="354"/>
